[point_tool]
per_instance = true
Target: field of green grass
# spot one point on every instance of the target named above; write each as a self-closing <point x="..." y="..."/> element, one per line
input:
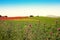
<point x="32" y="28"/>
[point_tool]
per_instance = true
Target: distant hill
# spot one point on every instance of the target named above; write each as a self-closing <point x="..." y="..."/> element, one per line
<point x="53" y="16"/>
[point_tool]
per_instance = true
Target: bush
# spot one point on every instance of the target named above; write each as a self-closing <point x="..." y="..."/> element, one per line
<point x="31" y="16"/>
<point x="0" y="16"/>
<point x="5" y="16"/>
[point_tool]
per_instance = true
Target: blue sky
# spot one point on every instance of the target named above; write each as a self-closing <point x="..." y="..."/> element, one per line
<point x="28" y="2"/>
<point x="29" y="7"/>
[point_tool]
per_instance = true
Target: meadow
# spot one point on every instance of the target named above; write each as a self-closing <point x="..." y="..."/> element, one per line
<point x="32" y="28"/>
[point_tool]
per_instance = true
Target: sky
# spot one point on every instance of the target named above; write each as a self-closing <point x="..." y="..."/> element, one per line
<point x="29" y="7"/>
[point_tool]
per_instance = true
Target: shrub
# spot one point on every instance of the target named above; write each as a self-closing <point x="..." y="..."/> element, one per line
<point x="0" y="16"/>
<point x="6" y="16"/>
<point x="31" y="16"/>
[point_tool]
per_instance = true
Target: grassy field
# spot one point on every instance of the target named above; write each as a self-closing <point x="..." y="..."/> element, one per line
<point x="32" y="28"/>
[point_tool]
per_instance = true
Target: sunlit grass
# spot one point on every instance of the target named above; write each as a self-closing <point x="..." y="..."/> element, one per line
<point x="35" y="28"/>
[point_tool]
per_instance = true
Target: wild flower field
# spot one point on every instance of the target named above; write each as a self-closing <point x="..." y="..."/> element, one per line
<point x="37" y="28"/>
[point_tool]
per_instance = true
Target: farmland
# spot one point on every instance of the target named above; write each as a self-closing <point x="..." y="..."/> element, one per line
<point x="31" y="28"/>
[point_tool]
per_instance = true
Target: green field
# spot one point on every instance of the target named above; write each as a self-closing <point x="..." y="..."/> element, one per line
<point x="32" y="28"/>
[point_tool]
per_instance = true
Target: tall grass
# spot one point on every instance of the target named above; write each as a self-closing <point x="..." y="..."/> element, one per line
<point x="48" y="29"/>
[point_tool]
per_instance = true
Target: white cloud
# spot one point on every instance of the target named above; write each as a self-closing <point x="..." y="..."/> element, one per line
<point x="20" y="11"/>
